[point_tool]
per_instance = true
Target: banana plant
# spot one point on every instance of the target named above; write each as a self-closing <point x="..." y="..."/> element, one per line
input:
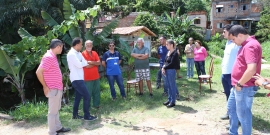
<point x="13" y="71"/>
<point x="125" y="51"/>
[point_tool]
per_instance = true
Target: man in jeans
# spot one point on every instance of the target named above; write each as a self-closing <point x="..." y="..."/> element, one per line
<point x="247" y="64"/>
<point x="141" y="54"/>
<point x="50" y="76"/>
<point x="76" y="62"/>
<point x="162" y="52"/>
<point x="111" y="61"/>
<point x="230" y="54"/>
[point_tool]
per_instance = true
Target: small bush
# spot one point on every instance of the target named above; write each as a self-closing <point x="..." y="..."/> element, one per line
<point x="30" y="111"/>
<point x="265" y="50"/>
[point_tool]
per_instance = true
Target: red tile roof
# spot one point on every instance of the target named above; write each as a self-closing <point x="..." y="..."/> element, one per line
<point x="131" y="30"/>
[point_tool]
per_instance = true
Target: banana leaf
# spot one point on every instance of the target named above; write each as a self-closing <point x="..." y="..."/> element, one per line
<point x="50" y="21"/>
<point x="67" y="10"/>
<point x="24" y="33"/>
<point x="7" y="64"/>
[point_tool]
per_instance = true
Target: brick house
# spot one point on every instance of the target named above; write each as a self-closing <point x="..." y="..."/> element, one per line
<point x="243" y="12"/>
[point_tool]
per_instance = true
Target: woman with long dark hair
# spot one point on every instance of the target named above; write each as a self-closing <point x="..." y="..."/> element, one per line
<point x="169" y="70"/>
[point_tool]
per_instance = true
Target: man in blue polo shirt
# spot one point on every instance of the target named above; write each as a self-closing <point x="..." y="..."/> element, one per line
<point x="111" y="61"/>
<point x="162" y="52"/>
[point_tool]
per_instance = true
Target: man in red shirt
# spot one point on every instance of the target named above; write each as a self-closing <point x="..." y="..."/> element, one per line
<point x="91" y="74"/>
<point x="50" y="76"/>
<point x="247" y="64"/>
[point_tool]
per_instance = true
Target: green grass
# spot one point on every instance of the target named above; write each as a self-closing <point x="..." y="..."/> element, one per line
<point x="266" y="52"/>
<point x="123" y="114"/>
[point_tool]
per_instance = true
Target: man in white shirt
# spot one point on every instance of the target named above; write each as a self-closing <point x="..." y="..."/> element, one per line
<point x="76" y="62"/>
<point x="230" y="54"/>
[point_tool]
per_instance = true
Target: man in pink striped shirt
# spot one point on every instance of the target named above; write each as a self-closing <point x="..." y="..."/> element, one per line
<point x="50" y="76"/>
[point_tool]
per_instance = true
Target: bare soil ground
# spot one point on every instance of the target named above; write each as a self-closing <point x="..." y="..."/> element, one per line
<point x="192" y="123"/>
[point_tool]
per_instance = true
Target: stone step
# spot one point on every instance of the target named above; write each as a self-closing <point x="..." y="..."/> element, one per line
<point x="5" y="116"/>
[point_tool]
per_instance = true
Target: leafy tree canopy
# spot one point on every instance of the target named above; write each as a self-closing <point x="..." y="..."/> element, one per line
<point x="263" y="26"/>
<point x="147" y="20"/>
<point x="195" y="5"/>
<point x="159" y="6"/>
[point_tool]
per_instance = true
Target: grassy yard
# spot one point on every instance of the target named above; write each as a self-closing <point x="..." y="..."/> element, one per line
<point x="124" y="115"/>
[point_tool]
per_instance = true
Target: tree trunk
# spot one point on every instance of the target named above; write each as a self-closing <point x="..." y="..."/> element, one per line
<point x="22" y="94"/>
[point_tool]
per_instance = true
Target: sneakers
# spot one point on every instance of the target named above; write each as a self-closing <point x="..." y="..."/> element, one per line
<point x="164" y="94"/>
<point x="177" y="97"/>
<point x="77" y="117"/>
<point x="62" y="130"/>
<point x="140" y="94"/>
<point x="225" y="117"/>
<point x="151" y="95"/>
<point x="90" y="118"/>
<point x="114" y="98"/>
<point x="170" y="105"/>
<point x="158" y="86"/>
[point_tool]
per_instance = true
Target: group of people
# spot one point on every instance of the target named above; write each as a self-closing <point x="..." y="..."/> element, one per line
<point x="240" y="81"/>
<point x="241" y="66"/>
<point x="84" y="77"/>
<point x="195" y="53"/>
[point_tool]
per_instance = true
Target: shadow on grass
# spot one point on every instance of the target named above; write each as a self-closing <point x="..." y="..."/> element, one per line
<point x="261" y="125"/>
<point x="258" y="94"/>
<point x="185" y="109"/>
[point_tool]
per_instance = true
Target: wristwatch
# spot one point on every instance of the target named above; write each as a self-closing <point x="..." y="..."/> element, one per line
<point x="239" y="85"/>
<point x="265" y="83"/>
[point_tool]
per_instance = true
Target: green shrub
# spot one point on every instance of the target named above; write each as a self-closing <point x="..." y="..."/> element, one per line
<point x="217" y="47"/>
<point x="29" y="111"/>
<point x="265" y="50"/>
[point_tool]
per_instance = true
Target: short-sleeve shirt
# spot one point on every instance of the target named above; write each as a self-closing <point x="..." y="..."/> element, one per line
<point x="112" y="62"/>
<point x="162" y="51"/>
<point x="251" y="52"/>
<point x="200" y="54"/>
<point x="230" y="54"/>
<point x="52" y="73"/>
<point x="190" y="48"/>
<point x="141" y="64"/>
<point x="91" y="73"/>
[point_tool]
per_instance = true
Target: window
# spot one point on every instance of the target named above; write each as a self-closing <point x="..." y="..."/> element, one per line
<point x="234" y="22"/>
<point x="219" y="8"/>
<point x="246" y="24"/>
<point x="197" y="21"/>
<point x="244" y="7"/>
<point x="231" y="6"/>
<point x="219" y="25"/>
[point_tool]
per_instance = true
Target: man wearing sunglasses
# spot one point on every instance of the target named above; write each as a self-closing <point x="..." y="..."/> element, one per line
<point x="111" y="61"/>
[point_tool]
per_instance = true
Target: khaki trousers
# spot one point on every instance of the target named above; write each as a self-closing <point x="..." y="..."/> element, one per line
<point x="54" y="103"/>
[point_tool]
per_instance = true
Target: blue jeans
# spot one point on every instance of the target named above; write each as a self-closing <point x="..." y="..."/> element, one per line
<point x="227" y="84"/>
<point x="239" y="108"/>
<point x="170" y="80"/>
<point x="159" y="75"/>
<point x="200" y="67"/>
<point x="81" y="91"/>
<point x="190" y="67"/>
<point x="119" y="81"/>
